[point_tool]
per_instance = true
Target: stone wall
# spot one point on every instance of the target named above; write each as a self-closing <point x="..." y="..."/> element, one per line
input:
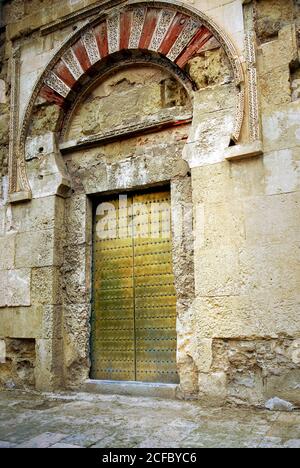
<point x="247" y="260"/>
<point x="237" y="277"/>
<point x="271" y="17"/>
<point x="256" y="369"/>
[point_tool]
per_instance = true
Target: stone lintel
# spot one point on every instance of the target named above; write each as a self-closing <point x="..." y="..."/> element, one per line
<point x="129" y="132"/>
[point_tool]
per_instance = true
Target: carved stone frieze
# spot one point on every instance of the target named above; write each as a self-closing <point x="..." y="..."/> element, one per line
<point x="254" y="123"/>
<point x="18" y="181"/>
<point x="184" y="39"/>
<point x="55" y="83"/>
<point x="90" y="43"/>
<point x="165" y="20"/>
<point x="113" y="33"/>
<point x="72" y="63"/>
<point x="137" y="27"/>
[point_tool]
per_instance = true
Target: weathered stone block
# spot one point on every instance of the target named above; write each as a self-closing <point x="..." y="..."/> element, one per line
<point x="4" y="210"/>
<point x="3" y="285"/>
<point x="254" y="314"/>
<point x="270" y="268"/>
<point x="18" y="370"/>
<point x="208" y="139"/>
<point x="282" y="171"/>
<point x="21" y="322"/>
<point x="49" y="370"/>
<point x="15" y="12"/>
<point x="272" y="16"/>
<point x="296" y="90"/>
<point x="76" y="342"/>
<point x="213" y="388"/>
<point x="277" y="313"/>
<point x="52" y="326"/>
<point x="38" y="215"/>
<point x="285" y="386"/>
<point x="76" y="329"/>
<point x="248" y="179"/>
<point x="214" y="99"/>
<point x="280" y="53"/>
<point x="275" y="88"/>
<point x="44" y="119"/>
<point x="2" y="220"/>
<point x="77" y="274"/>
<point x="204" y="355"/>
<point x="210" y="68"/>
<point x="79" y="219"/>
<point x="294" y="351"/>
<point x="44" y="144"/>
<point x="272" y="219"/>
<point x="15" y="288"/>
<point x="48" y="176"/>
<point x="188" y="377"/>
<point x="227" y="316"/>
<point x="281" y="127"/>
<point x="224" y="224"/>
<point x="212" y="183"/>
<point x="172" y="93"/>
<point x="142" y="160"/>
<point x="3" y="164"/>
<point x="38" y="249"/>
<point x="7" y="251"/>
<point x="225" y="261"/>
<point x="46" y="286"/>
<point x="18" y="287"/>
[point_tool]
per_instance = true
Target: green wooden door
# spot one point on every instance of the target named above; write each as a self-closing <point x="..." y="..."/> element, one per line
<point x="134" y="303"/>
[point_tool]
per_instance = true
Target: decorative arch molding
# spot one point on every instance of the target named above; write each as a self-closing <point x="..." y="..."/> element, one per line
<point x="167" y="29"/>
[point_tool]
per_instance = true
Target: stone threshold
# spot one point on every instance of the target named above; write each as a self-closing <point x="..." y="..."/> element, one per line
<point x="135" y="389"/>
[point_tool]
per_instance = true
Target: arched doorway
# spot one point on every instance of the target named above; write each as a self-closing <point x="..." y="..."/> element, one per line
<point x="129" y="164"/>
<point x="135" y="147"/>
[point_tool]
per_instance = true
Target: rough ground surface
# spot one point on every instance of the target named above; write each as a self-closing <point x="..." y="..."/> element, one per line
<point x="95" y="421"/>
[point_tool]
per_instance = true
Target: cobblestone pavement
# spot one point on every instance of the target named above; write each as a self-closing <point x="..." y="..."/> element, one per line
<point x="84" y="420"/>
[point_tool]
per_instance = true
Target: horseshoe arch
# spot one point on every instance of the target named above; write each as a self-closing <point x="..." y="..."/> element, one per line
<point x="167" y="29"/>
